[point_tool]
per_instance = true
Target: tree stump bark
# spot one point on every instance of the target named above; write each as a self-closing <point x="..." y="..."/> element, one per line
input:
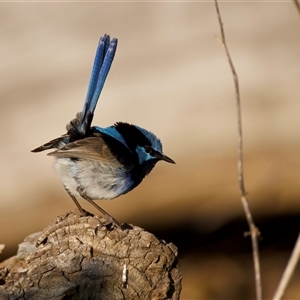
<point x="82" y="258"/>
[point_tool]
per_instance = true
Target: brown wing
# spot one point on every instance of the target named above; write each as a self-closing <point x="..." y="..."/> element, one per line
<point x="91" y="148"/>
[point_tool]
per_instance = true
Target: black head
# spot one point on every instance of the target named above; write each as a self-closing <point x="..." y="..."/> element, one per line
<point x="144" y="143"/>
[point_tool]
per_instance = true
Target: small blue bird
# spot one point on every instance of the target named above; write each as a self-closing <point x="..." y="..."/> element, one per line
<point x="102" y="163"/>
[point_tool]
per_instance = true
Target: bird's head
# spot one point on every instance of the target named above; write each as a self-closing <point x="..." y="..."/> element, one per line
<point x="146" y="144"/>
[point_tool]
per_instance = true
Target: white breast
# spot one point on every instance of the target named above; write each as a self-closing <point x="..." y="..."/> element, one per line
<point x="96" y="180"/>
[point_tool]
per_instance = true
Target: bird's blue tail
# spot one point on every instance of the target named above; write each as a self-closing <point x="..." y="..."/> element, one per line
<point x="79" y="127"/>
<point x="102" y="63"/>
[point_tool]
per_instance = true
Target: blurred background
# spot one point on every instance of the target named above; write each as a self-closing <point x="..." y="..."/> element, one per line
<point x="171" y="76"/>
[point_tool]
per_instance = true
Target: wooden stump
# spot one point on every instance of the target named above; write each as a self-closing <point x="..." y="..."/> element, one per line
<point x="82" y="258"/>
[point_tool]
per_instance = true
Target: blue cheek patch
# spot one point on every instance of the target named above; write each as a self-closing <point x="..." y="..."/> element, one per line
<point x="142" y="154"/>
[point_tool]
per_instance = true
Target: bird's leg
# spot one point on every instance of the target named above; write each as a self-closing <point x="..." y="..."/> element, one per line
<point x="82" y="211"/>
<point x="107" y="215"/>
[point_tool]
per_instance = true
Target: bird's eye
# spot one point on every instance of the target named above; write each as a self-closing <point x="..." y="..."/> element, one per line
<point x="147" y="148"/>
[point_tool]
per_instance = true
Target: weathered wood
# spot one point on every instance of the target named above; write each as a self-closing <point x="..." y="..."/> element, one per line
<point x="82" y="258"/>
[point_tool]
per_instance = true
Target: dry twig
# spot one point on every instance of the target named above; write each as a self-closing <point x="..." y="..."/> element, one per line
<point x="293" y="261"/>
<point x="288" y="272"/>
<point x="297" y="3"/>
<point x="254" y="232"/>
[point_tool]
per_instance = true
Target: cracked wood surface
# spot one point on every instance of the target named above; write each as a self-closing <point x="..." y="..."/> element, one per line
<point x="82" y="258"/>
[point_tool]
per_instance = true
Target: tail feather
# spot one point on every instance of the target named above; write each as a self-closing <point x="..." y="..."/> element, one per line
<point x="98" y="61"/>
<point x="102" y="63"/>
<point x="79" y="127"/>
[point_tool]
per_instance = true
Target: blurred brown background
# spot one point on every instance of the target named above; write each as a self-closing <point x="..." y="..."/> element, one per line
<point x="171" y="76"/>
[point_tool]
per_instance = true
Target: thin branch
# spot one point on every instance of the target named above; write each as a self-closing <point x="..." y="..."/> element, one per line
<point x="295" y="257"/>
<point x="297" y="3"/>
<point x="254" y="232"/>
<point x="288" y="272"/>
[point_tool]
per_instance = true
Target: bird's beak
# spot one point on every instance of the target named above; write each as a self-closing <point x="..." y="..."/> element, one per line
<point x="167" y="159"/>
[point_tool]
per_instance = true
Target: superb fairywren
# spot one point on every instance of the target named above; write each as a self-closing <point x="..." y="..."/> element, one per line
<point x="102" y="163"/>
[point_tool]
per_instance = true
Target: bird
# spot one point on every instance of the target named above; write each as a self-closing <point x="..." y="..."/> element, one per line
<point x="96" y="163"/>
